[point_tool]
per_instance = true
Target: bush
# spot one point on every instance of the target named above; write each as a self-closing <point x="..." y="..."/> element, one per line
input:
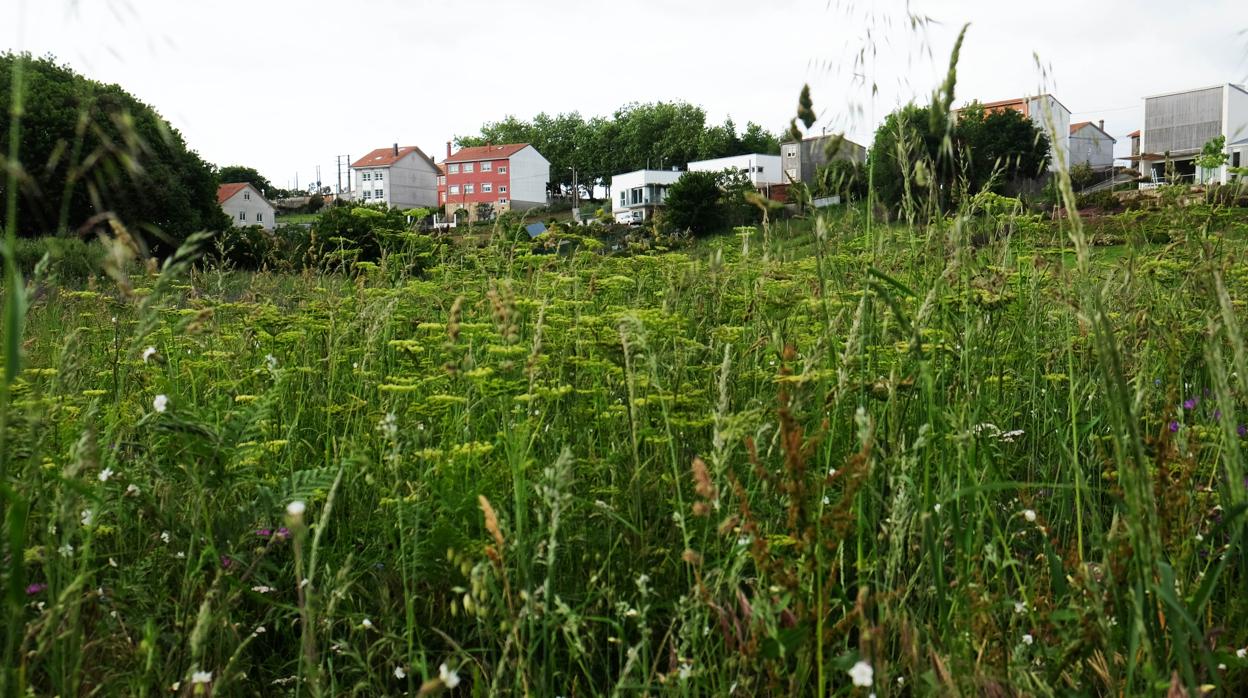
<point x="1103" y="200"/>
<point x="693" y="203"/>
<point x="69" y="259"/>
<point x="253" y="247"/>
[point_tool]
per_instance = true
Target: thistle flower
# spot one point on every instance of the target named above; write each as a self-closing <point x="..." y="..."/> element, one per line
<point x="38" y="587"/>
<point x="1174" y="426"/>
<point x="862" y="674"/>
<point x="1190" y="403"/>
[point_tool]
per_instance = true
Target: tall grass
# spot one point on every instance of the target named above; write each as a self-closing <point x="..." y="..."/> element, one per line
<point x="935" y="459"/>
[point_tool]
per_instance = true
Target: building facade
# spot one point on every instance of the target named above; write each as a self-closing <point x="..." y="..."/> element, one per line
<point x="399" y="177"/>
<point x="636" y="195"/>
<point x="483" y="181"/>
<point x="1048" y="115"/>
<point x="1177" y="125"/>
<point x="800" y="160"/>
<point x="762" y="170"/>
<point x="244" y="204"/>
<point x="1091" y="145"/>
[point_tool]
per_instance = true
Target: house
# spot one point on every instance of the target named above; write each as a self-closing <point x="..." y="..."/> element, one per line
<point x="1177" y="125"/>
<point x="1135" y="143"/>
<point x="1091" y="145"/>
<point x="486" y="180"/>
<point x="802" y="159"/>
<point x="761" y="169"/>
<point x="1047" y="114"/>
<point x="636" y="195"/>
<point x="245" y="205"/>
<point x="398" y="177"/>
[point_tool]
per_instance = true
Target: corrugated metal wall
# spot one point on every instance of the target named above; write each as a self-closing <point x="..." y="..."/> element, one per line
<point x="1182" y="122"/>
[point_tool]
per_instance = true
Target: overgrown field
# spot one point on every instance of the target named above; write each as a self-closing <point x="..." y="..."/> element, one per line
<point x="975" y="458"/>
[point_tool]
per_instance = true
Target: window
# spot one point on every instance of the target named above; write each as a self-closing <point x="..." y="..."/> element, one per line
<point x="259" y="217"/>
<point x="247" y="196"/>
<point x="367" y="195"/>
<point x="470" y="188"/>
<point x="487" y="187"/>
<point x="502" y="200"/>
<point x="468" y="167"/>
<point x="502" y="189"/>
<point x="1235" y="158"/>
<point x="441" y="180"/>
<point x="452" y="169"/>
<point x="378" y="176"/>
<point x="502" y="170"/>
<point x="487" y="166"/>
<point x="242" y="215"/>
<point x="454" y="188"/>
<point x="623" y="199"/>
<point x="377" y="194"/>
<point x="791" y="154"/>
<point x="443" y="197"/>
<point x="367" y="176"/>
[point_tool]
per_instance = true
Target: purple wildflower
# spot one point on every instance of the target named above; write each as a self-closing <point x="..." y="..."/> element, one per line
<point x="1174" y="426"/>
<point x="36" y="588"/>
<point x="226" y="562"/>
<point x="283" y="533"/>
<point x="264" y="532"/>
<point x="1190" y="403"/>
<point x="1242" y="430"/>
<point x="1217" y="415"/>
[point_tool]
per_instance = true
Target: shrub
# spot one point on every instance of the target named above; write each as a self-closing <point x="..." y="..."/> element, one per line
<point x="693" y="203"/>
<point x="1103" y="200"/>
<point x="68" y="259"/>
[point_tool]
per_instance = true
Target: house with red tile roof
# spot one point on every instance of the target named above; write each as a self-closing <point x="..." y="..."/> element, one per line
<point x="483" y="181"/>
<point x="1091" y="145"/>
<point x="245" y="205"/>
<point x="399" y="177"/>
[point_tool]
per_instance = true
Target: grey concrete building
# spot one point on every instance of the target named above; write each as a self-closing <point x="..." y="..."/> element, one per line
<point x="1091" y="145"/>
<point x="1177" y="125"/>
<point x="801" y="159"/>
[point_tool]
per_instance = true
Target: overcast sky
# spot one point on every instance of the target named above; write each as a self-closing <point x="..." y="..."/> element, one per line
<point x="287" y="86"/>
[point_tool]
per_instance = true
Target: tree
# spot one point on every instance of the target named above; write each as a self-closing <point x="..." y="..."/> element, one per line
<point x="1212" y="156"/>
<point x="693" y="203"/>
<point x="237" y="173"/>
<point x="999" y="147"/>
<point x="91" y="151"/>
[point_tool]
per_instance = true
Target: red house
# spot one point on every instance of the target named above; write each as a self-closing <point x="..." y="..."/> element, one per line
<point x="490" y="179"/>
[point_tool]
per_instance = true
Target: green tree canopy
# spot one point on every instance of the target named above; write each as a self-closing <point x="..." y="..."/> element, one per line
<point x="693" y="203"/>
<point x="89" y="151"/>
<point x="636" y="136"/>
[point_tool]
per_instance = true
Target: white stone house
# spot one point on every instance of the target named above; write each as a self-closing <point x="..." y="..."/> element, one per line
<point x="399" y="177"/>
<point x="245" y="205"/>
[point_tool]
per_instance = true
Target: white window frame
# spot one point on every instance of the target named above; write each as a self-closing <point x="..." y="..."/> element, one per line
<point x="486" y="188"/>
<point x="470" y="189"/>
<point x="502" y="200"/>
<point x="452" y="168"/>
<point x="366" y="177"/>
<point x="366" y="195"/>
<point x="487" y="166"/>
<point x="454" y="188"/>
<point x="259" y="217"/>
<point x="247" y="196"/>
<point x="242" y="216"/>
<point x="379" y="194"/>
<point x="502" y="169"/>
<point x="502" y="189"/>
<point x="378" y="176"/>
<point x="468" y="167"/>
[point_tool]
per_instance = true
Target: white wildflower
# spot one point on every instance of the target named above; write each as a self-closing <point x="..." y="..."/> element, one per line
<point x="1009" y="436"/>
<point x="400" y="672"/>
<point x="367" y="624"/>
<point x="181" y="555"/>
<point x="296" y="508"/>
<point x="936" y="507"/>
<point x="1020" y="607"/>
<point x="132" y="490"/>
<point x="262" y="589"/>
<point x="686" y="670"/>
<point x="271" y="361"/>
<point x="260" y="630"/>
<point x="88" y="517"/>
<point x="1030" y="515"/>
<point x="201" y="677"/>
<point x="105" y="474"/>
<point x="66" y="550"/>
<point x="862" y="674"/>
<point x="1199" y="538"/>
<point x="1242" y="653"/>
<point x="449" y="677"/>
<point x="1028" y="639"/>
<point x="161" y="403"/>
<point x="164" y="536"/>
<point x="148" y="353"/>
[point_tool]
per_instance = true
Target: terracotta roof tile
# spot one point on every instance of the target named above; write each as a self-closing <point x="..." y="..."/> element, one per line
<point x="385" y="157"/>
<point x="487" y="152"/>
<point x="1134" y="134"/>
<point x="225" y="191"/>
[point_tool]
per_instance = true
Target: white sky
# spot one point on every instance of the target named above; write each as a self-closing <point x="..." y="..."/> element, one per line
<point x="286" y="86"/>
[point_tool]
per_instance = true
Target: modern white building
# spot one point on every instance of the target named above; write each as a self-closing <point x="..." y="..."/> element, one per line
<point x="1177" y="125"/>
<point x="398" y="177"/>
<point x="763" y="170"/>
<point x="636" y="195"/>
<point x="1091" y="145"/>
<point x="245" y="205"/>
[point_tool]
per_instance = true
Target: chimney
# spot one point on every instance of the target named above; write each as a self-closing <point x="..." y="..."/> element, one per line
<point x="396" y="150"/>
<point x="448" y="149"/>
<point x="1101" y="124"/>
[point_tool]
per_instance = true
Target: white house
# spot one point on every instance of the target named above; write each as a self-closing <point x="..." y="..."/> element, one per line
<point x="762" y="169"/>
<point x="245" y="205"/>
<point x="636" y="195"/>
<point x="1177" y="125"/>
<point x="398" y="177"/>
<point x="1091" y="145"/>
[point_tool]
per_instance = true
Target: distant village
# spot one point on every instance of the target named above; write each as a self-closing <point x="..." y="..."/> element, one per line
<point x="476" y="183"/>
